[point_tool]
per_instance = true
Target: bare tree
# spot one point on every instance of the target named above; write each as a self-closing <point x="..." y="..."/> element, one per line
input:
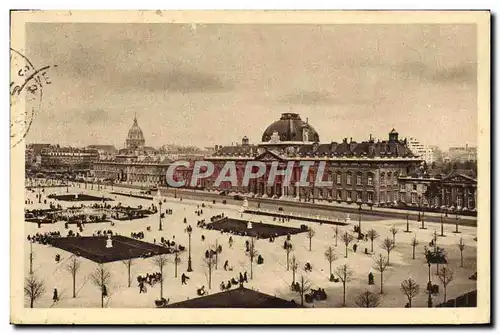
<point x="330" y="257"/>
<point x="294" y="265"/>
<point x="414" y="243"/>
<point x="210" y="262"/>
<point x="394" y="231"/>
<point x="367" y="299"/>
<point x="72" y="267"/>
<point x="410" y="288"/>
<point x="34" y="288"/>
<point x="380" y="265"/>
<point x="100" y="277"/>
<point x="252" y="253"/>
<point x="388" y="246"/>
<point x="288" y="249"/>
<point x="372" y="235"/>
<point x="304" y="286"/>
<point x="160" y="261"/>
<point x="461" y="246"/>
<point x="345" y="275"/>
<point x="310" y="234"/>
<point x="346" y="239"/>
<point x="445" y="276"/>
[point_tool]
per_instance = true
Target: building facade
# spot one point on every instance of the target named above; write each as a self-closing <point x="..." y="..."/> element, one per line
<point x="462" y="154"/>
<point x="56" y="157"/>
<point x="456" y="191"/>
<point x="362" y="172"/>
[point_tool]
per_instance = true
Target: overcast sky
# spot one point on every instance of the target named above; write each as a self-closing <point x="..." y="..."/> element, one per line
<point x="212" y="84"/>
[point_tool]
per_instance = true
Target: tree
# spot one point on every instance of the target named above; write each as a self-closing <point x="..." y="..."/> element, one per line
<point x="414" y="243"/>
<point x="380" y="265"/>
<point x="445" y="276"/>
<point x="346" y="239"/>
<point x="394" y="231"/>
<point x="310" y="234"/>
<point x="294" y="265"/>
<point x="367" y="299"/>
<point x="160" y="261"/>
<point x="210" y="262"/>
<point x="288" y="249"/>
<point x="388" y="246"/>
<point x="345" y="275"/>
<point x="72" y="267"/>
<point x="304" y="286"/>
<point x="100" y="277"/>
<point x="410" y="288"/>
<point x="128" y="264"/>
<point x="251" y="253"/>
<point x="34" y="288"/>
<point x="372" y="235"/>
<point x="461" y="246"/>
<point x="330" y="257"/>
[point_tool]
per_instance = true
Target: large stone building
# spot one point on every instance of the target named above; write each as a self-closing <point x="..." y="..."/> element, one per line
<point x="364" y="172"/>
<point x="136" y="163"/>
<point x="70" y="158"/>
<point x="456" y="191"/>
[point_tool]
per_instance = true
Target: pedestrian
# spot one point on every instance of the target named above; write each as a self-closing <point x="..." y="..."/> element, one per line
<point x="245" y="277"/>
<point x="55" y="296"/>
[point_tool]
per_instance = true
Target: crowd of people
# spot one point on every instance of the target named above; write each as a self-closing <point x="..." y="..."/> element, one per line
<point x="150" y="279"/>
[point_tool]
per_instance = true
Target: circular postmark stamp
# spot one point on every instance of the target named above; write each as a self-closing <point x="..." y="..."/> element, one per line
<point x="26" y="91"/>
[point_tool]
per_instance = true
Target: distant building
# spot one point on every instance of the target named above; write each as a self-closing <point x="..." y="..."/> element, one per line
<point x="33" y="154"/>
<point x="136" y="163"/>
<point x="462" y="154"/>
<point x="425" y="152"/>
<point x="104" y="151"/>
<point x="70" y="158"/>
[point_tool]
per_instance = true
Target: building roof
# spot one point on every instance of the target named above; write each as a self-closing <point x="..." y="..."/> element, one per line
<point x="289" y="128"/>
<point x="236" y="298"/>
<point x="105" y="148"/>
<point x="135" y="132"/>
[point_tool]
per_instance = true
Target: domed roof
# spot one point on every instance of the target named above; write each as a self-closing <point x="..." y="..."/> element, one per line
<point x="135" y="132"/>
<point x="290" y="127"/>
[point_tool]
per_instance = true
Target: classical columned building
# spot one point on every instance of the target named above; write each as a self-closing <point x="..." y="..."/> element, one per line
<point x="365" y="172"/>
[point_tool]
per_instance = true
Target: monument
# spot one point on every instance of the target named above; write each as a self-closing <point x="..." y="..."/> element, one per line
<point x="249" y="225"/>
<point x="244" y="206"/>
<point x="348" y="219"/>
<point x="109" y="242"/>
<point x="76" y="196"/>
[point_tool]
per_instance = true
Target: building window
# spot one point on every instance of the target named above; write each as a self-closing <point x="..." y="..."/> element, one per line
<point x="414" y="187"/>
<point x="349" y="198"/>
<point x="395" y="179"/>
<point x="402" y="187"/>
<point x="396" y="197"/>
<point x="382" y="197"/>
<point x="370" y="180"/>
<point x="382" y="179"/>
<point x="413" y="198"/>
<point x="348" y="178"/>
<point x="339" y="194"/>
<point x="370" y="196"/>
<point x="359" y="179"/>
<point x="339" y="178"/>
<point x="459" y="202"/>
<point x="359" y="196"/>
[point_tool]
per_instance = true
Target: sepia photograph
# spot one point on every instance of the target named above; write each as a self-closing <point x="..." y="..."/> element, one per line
<point x="318" y="162"/>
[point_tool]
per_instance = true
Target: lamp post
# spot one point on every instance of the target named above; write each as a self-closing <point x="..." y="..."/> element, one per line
<point x="407" y="221"/>
<point x="159" y="227"/>
<point x="360" y="203"/>
<point x="429" y="286"/>
<point x="189" y="230"/>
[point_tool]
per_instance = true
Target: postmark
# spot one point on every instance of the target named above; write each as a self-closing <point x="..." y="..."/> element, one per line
<point x="26" y="92"/>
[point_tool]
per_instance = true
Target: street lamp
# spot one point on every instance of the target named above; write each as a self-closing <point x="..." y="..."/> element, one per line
<point x="189" y="230"/>
<point x="360" y="203"/>
<point x="159" y="203"/>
